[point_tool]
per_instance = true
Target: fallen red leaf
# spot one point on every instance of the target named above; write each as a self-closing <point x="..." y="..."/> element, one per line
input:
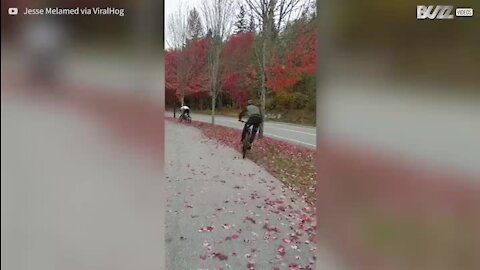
<point x="231" y="237"/>
<point x="206" y="229"/>
<point x="220" y="256"/>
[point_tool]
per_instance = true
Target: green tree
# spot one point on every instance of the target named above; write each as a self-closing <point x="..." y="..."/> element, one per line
<point x="251" y="26"/>
<point x="194" y="25"/>
<point x="240" y="24"/>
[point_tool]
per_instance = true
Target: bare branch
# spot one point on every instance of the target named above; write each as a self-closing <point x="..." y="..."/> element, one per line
<point x="219" y="23"/>
<point x="255" y="8"/>
<point x="177" y="28"/>
<point x="281" y="11"/>
<point x="218" y="17"/>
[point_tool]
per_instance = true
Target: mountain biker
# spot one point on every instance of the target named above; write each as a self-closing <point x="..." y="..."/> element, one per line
<point x="185" y="111"/>
<point x="254" y="119"/>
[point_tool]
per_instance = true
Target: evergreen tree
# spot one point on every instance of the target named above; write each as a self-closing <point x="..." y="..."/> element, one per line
<point x="194" y="25"/>
<point x="252" y="26"/>
<point x="209" y="34"/>
<point x="240" y="24"/>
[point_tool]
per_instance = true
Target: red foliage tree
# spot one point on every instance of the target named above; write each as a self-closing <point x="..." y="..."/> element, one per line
<point x="237" y="66"/>
<point x="186" y="69"/>
<point x="171" y="78"/>
<point x="300" y="59"/>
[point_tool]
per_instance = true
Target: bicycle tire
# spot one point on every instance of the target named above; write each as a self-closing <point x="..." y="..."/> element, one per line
<point x="245" y="143"/>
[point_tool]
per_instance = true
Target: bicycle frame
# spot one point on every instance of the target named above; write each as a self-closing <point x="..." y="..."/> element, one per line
<point x="246" y="139"/>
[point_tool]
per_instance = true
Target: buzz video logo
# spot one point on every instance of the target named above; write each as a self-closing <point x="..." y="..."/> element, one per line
<point x="434" y="12"/>
<point x="442" y="12"/>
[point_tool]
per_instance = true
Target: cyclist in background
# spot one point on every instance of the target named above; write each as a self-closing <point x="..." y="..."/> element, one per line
<point x="185" y="111"/>
<point x="254" y="119"/>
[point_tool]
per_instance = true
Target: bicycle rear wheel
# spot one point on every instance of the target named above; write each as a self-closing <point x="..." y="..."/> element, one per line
<point x="245" y="143"/>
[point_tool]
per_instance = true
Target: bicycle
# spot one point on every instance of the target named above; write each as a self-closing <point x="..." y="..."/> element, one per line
<point x="185" y="117"/>
<point x="246" y="141"/>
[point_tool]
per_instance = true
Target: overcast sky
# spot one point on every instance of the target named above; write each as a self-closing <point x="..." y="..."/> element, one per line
<point x="172" y="5"/>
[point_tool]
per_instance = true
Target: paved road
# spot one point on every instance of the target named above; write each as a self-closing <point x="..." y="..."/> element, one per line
<point x="210" y="185"/>
<point x="70" y="197"/>
<point x="302" y="135"/>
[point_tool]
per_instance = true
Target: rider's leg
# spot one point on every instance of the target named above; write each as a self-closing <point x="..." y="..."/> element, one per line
<point x="244" y="132"/>
<point x="248" y="124"/>
<point x="256" y="125"/>
<point x="254" y="132"/>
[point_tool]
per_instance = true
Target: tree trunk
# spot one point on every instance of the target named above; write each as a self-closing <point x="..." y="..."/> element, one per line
<point x="182" y="99"/>
<point x="214" y="75"/>
<point x="262" y="109"/>
<point x="214" y="98"/>
<point x="220" y="100"/>
<point x="263" y="78"/>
